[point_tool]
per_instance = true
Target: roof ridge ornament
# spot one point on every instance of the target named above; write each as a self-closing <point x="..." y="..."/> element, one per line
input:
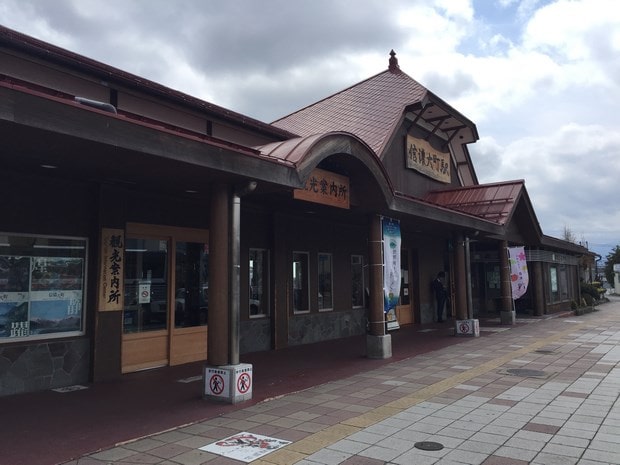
<point x="393" y="62"/>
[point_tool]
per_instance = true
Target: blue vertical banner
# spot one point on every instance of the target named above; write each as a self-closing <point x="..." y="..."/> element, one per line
<point x="391" y="263"/>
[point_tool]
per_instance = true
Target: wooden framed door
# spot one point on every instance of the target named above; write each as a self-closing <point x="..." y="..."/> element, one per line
<point x="188" y="335"/>
<point x="166" y="296"/>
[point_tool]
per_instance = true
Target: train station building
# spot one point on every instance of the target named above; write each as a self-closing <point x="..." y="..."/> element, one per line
<point x="143" y="227"/>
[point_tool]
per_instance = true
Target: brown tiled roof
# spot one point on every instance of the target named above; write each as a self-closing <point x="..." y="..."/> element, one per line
<point x="370" y="109"/>
<point x="493" y="202"/>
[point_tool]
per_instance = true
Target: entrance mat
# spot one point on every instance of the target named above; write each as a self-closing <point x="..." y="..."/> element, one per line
<point x="245" y="447"/>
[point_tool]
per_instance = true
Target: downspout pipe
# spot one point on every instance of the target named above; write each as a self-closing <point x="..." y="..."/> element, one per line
<point x="235" y="270"/>
<point x="470" y="306"/>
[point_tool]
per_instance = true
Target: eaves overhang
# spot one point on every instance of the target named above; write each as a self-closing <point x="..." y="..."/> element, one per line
<point x="26" y="109"/>
<point x="306" y="153"/>
<point x="416" y="207"/>
<point x="560" y="245"/>
<point x="115" y="77"/>
<point x="438" y="118"/>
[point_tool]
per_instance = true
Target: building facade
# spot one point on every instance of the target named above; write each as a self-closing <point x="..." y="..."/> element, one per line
<point x="142" y="227"/>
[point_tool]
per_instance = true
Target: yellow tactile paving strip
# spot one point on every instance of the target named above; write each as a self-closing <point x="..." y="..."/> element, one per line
<point x="301" y="449"/>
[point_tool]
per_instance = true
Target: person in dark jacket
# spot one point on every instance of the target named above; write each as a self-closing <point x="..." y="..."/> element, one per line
<point x="441" y="294"/>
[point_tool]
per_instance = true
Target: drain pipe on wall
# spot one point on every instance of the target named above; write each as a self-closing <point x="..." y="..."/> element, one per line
<point x="235" y="271"/>
<point x="470" y="306"/>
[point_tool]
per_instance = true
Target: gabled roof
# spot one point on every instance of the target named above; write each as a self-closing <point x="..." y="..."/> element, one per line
<point x="494" y="202"/>
<point x="373" y="109"/>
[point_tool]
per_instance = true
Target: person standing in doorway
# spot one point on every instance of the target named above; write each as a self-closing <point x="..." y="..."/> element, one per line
<point x="441" y="294"/>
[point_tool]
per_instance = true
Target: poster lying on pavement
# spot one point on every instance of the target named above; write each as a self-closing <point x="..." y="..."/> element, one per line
<point x="245" y="447"/>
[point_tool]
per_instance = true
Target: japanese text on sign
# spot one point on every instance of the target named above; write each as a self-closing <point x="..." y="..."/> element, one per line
<point x="326" y="188"/>
<point x="111" y="278"/>
<point x="422" y="157"/>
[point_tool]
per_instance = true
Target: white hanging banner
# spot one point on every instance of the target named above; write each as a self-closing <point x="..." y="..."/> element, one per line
<point x="519" y="277"/>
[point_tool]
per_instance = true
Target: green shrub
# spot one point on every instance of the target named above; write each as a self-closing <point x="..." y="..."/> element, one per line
<point x="592" y="290"/>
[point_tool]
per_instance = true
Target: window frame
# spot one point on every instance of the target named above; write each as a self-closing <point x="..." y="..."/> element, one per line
<point x="360" y="257"/>
<point x="307" y="283"/>
<point x="331" y="282"/>
<point x="82" y="244"/>
<point x="266" y="286"/>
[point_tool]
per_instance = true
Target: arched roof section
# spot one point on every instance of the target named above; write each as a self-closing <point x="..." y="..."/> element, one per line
<point x="306" y="153"/>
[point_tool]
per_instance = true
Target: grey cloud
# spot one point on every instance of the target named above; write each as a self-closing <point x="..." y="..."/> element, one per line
<point x="452" y="86"/>
<point x="274" y="35"/>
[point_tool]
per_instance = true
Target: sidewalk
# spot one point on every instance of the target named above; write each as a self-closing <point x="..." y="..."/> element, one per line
<point x="437" y="389"/>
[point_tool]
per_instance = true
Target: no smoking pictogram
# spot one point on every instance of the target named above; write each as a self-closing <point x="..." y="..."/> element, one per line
<point x="243" y="383"/>
<point x="216" y="383"/>
<point x="464" y="327"/>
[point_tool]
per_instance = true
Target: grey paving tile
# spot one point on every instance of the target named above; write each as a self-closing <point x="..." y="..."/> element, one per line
<point x="515" y="453"/>
<point x="465" y="456"/>
<point x="381" y="453"/>
<point x="113" y="455"/>
<point x="328" y="457"/>
<point x="606" y="446"/>
<point x="551" y="459"/>
<point x="601" y="456"/>
<point x="527" y="444"/>
<point x="563" y="450"/>
<point x="349" y="446"/>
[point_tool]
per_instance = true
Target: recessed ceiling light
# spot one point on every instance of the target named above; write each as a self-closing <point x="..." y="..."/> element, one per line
<point x="190" y="191"/>
<point x="49" y="167"/>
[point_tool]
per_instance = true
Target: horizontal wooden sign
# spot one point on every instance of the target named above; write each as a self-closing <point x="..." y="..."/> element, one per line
<point x="422" y="157"/>
<point x="326" y="188"/>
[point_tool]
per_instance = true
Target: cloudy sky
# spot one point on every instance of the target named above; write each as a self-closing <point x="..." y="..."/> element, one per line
<point x="540" y="78"/>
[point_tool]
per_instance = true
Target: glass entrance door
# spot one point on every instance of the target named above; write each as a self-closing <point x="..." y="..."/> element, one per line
<point x="188" y="340"/>
<point x="166" y="297"/>
<point x="404" y="310"/>
<point x="145" y="314"/>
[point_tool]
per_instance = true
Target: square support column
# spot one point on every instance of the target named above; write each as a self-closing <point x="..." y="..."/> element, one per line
<point x="379" y="347"/>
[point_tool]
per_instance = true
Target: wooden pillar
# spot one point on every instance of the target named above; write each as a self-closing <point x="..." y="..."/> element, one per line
<point x="460" y="277"/>
<point x="375" y="274"/>
<point x="219" y="261"/>
<point x="539" y="293"/>
<point x="505" y="286"/>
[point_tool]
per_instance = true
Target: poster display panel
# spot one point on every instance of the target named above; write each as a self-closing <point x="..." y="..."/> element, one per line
<point x="41" y="294"/>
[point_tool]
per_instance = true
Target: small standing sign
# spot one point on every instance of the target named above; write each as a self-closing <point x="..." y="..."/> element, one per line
<point x="467" y="328"/>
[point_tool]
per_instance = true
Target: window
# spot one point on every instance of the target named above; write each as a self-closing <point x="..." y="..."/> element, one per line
<point x="146" y="285"/>
<point x="42" y="281"/>
<point x="191" y="298"/>
<point x="326" y="298"/>
<point x="559" y="289"/>
<point x="301" y="283"/>
<point x="357" y="281"/>
<point x="259" y="283"/>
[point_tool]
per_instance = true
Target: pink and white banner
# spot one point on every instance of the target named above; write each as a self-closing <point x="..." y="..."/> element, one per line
<point x="519" y="277"/>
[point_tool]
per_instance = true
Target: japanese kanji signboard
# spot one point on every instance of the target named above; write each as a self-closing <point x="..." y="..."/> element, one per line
<point x="111" y="267"/>
<point x="326" y="188"/>
<point x="422" y="157"/>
